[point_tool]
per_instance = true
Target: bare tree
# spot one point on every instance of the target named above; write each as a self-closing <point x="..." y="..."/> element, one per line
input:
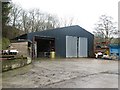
<point x="105" y="28"/>
<point x="42" y="21"/>
<point x="37" y="20"/>
<point x="52" y="21"/>
<point x="15" y="14"/>
<point x="67" y="21"/>
<point x="33" y="20"/>
<point x="25" y="21"/>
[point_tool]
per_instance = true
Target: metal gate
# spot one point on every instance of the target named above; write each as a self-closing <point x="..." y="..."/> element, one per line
<point x="82" y="47"/>
<point x="71" y="46"/>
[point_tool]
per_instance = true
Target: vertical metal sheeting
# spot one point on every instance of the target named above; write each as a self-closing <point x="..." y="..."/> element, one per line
<point x="82" y="47"/>
<point x="71" y="46"/>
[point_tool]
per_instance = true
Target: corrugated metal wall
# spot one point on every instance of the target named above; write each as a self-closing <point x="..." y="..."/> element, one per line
<point x="60" y="38"/>
<point x="71" y="46"/>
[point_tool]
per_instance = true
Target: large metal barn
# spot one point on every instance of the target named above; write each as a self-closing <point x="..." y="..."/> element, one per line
<point x="71" y="41"/>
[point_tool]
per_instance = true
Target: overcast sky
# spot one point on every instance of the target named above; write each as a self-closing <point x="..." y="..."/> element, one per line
<point x="85" y="12"/>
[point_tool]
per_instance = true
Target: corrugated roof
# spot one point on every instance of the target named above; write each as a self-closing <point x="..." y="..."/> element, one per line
<point x="63" y="30"/>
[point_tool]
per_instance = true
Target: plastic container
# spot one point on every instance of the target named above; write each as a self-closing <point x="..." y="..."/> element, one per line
<point x="52" y="54"/>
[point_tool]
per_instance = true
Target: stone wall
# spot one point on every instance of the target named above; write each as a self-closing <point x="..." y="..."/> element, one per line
<point x="16" y="63"/>
<point x="22" y="47"/>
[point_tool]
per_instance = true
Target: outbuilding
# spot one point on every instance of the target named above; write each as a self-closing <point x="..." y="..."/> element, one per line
<point x="71" y="41"/>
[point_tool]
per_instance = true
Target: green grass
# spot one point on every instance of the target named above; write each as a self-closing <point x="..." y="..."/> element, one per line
<point x="4" y="43"/>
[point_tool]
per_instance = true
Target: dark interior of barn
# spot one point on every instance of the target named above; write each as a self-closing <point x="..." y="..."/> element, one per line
<point x="44" y="46"/>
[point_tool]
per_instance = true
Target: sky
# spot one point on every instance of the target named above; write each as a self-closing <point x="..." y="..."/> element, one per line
<point x="84" y="12"/>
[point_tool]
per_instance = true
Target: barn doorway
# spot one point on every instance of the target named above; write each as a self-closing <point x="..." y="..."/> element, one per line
<point x="43" y="46"/>
<point x="76" y="46"/>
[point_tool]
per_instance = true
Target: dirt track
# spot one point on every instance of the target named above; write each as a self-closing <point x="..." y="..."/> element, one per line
<point x="64" y="73"/>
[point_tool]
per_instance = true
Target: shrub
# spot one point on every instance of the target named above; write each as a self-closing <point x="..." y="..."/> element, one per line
<point x="4" y="43"/>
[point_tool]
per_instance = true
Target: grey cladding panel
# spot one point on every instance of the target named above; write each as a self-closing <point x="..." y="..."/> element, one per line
<point x="71" y="46"/>
<point x="82" y="46"/>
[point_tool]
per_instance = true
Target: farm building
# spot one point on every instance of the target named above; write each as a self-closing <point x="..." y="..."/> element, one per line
<point x="71" y="41"/>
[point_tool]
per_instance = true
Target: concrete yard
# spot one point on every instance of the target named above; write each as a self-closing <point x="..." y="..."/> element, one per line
<point x="64" y="73"/>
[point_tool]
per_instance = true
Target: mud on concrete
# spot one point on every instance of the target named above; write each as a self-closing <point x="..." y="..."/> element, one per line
<point x="64" y="73"/>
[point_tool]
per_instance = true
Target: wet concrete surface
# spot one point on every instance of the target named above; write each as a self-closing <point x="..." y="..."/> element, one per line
<point x="64" y="73"/>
